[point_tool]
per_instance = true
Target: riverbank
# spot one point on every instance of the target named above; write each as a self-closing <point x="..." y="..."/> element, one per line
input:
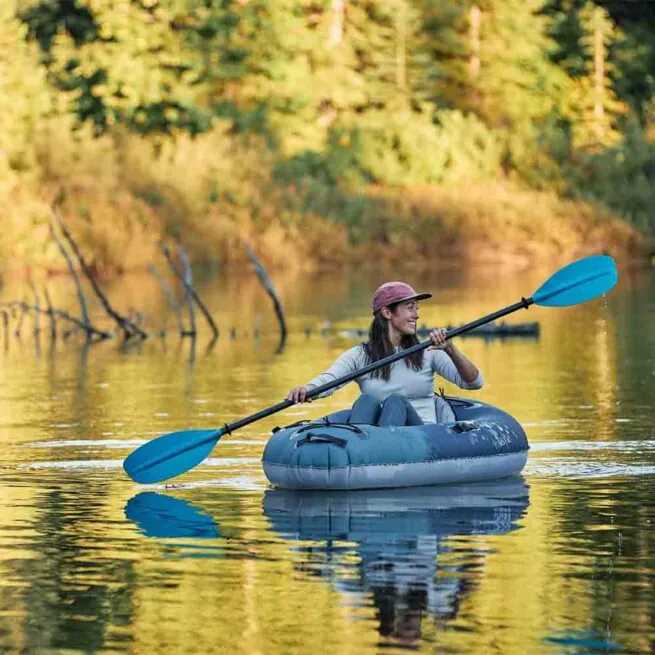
<point x="121" y="194"/>
<point x="501" y="224"/>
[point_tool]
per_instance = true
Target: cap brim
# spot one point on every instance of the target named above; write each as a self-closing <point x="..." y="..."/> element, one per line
<point x="418" y="296"/>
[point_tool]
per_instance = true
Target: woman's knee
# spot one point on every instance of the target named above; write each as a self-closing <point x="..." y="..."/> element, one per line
<point x="396" y="399"/>
<point x="366" y="400"/>
<point x="394" y="410"/>
<point x="366" y="409"/>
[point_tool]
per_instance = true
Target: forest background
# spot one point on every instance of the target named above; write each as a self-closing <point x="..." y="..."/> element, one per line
<point x="327" y="132"/>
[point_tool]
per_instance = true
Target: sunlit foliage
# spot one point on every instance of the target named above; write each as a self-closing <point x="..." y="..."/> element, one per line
<point x="299" y="106"/>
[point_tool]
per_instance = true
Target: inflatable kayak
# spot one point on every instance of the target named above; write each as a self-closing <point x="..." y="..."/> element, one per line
<point x="484" y="443"/>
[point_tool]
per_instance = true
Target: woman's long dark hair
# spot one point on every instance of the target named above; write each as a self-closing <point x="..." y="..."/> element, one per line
<point x="379" y="346"/>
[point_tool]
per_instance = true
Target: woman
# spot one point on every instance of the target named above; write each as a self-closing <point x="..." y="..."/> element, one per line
<point x="401" y="393"/>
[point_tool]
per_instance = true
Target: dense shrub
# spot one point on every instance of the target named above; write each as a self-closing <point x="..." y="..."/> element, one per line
<point x="622" y="177"/>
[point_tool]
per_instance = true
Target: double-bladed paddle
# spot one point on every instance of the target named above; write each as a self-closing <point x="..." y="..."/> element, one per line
<point x="176" y="452"/>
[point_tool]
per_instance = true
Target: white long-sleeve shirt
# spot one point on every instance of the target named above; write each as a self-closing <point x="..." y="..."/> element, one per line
<point x="417" y="386"/>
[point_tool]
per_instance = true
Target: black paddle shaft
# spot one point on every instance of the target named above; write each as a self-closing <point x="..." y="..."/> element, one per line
<point x="524" y="303"/>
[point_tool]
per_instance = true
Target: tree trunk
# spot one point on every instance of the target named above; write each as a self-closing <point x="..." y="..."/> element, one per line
<point x="475" y="18"/>
<point x="599" y="77"/>
<point x="336" y="28"/>
<point x="401" y="46"/>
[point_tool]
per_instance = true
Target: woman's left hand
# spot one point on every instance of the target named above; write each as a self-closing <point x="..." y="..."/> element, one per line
<point x="438" y="338"/>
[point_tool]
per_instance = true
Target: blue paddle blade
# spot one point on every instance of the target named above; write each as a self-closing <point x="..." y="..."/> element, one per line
<point x="158" y="515"/>
<point x="169" y="455"/>
<point x="580" y="281"/>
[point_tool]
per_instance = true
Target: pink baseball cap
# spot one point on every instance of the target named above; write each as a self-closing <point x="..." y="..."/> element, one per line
<point x="394" y="292"/>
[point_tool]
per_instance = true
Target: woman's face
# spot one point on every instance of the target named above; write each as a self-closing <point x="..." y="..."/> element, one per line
<point x="403" y="318"/>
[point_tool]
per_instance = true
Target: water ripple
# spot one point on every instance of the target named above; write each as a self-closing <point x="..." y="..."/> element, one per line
<point x="566" y="469"/>
<point x="622" y="446"/>
<point x="118" y="463"/>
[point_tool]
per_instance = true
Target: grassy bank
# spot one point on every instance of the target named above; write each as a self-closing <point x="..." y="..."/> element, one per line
<point x="122" y="193"/>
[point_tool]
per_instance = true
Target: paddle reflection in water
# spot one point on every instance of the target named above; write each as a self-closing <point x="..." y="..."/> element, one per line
<point x="158" y="515"/>
<point x="401" y="541"/>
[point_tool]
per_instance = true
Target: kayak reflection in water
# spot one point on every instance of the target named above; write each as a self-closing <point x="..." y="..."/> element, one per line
<point x="407" y="565"/>
<point x="401" y="393"/>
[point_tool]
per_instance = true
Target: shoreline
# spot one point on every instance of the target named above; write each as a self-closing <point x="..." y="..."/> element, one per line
<point x="500" y="224"/>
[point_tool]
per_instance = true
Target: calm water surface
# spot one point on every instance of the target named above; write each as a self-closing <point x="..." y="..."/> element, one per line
<point x="560" y="560"/>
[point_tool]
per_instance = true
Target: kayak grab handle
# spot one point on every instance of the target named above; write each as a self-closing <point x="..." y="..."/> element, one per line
<point x="312" y="438"/>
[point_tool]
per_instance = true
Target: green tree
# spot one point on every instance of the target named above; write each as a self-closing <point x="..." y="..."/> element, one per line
<point x="515" y="87"/>
<point x="452" y="43"/>
<point x="517" y="84"/>
<point x="594" y="105"/>
<point x="633" y="57"/>
<point x="124" y="61"/>
<point x="24" y="96"/>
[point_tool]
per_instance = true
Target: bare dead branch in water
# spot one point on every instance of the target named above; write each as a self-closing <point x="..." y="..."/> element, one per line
<point x="19" y="323"/>
<point x="128" y="327"/>
<point x="5" y="325"/>
<point x="188" y="287"/>
<point x="25" y="308"/>
<point x="187" y="280"/>
<point x="51" y="314"/>
<point x="169" y="296"/>
<point x="85" y="324"/>
<point x="137" y="317"/>
<point x="37" y="305"/>
<point x="191" y="332"/>
<point x="268" y="285"/>
<point x="76" y="279"/>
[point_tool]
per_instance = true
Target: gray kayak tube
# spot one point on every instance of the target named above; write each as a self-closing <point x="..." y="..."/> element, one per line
<point x="484" y="443"/>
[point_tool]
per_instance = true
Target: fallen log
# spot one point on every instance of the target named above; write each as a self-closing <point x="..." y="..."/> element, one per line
<point x="500" y="330"/>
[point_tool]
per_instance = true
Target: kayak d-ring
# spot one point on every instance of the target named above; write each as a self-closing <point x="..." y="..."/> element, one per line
<point x="464" y="426"/>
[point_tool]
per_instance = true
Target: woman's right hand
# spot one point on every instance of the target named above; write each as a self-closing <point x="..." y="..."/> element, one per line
<point x="298" y="395"/>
